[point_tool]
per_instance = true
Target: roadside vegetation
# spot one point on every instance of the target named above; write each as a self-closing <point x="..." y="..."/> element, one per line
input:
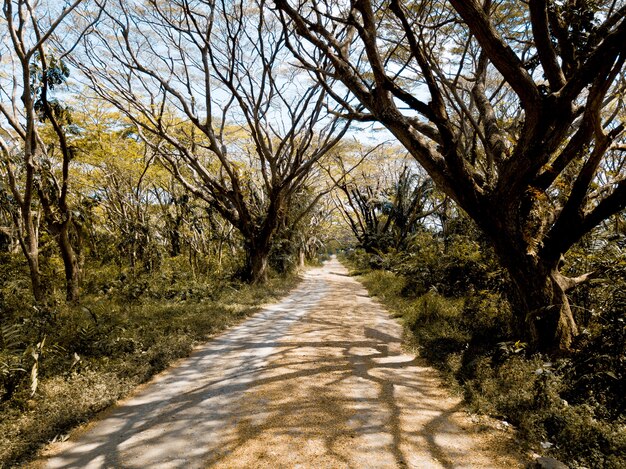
<point x="63" y="364"/>
<point x="457" y="308"/>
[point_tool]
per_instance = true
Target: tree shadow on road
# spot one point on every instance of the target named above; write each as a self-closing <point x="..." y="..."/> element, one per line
<point x="333" y="392"/>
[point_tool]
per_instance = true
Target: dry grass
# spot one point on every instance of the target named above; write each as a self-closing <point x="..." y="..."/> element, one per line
<point x="129" y="341"/>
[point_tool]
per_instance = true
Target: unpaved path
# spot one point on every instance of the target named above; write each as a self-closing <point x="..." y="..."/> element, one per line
<point x="316" y="381"/>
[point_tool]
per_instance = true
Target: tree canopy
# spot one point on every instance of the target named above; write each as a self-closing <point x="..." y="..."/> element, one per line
<point x="512" y="108"/>
<point x="211" y="90"/>
<point x="515" y="111"/>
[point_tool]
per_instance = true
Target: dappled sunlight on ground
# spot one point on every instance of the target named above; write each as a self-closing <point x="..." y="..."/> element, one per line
<point x="317" y="380"/>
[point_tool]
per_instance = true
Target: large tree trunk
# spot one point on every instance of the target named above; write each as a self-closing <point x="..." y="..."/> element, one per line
<point x="259" y="241"/>
<point x="545" y="310"/>
<point x="257" y="260"/>
<point x="544" y="315"/>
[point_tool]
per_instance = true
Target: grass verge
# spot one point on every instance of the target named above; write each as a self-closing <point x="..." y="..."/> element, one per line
<point x="96" y="353"/>
<point x="570" y="409"/>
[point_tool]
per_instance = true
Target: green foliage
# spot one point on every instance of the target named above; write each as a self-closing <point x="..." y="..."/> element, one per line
<point x="456" y="266"/>
<point x="580" y="20"/>
<point x="47" y="73"/>
<point x="55" y="72"/>
<point x="19" y="360"/>
<point x="383" y="284"/>
<point x="453" y="301"/>
<point x="597" y="374"/>
<point x="14" y="286"/>
<point x="385" y="206"/>
<point x="127" y="328"/>
<point x="283" y="255"/>
<point x="529" y="393"/>
<point x="361" y="261"/>
<point x="12" y="370"/>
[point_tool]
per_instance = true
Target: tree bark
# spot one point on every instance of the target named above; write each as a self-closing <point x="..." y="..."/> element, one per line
<point x="175" y="223"/>
<point x="59" y="227"/>
<point x="546" y="310"/>
<point x="542" y="309"/>
<point x="257" y="262"/>
<point x="29" y="242"/>
<point x="301" y="258"/>
<point x="70" y="262"/>
<point x="32" y="256"/>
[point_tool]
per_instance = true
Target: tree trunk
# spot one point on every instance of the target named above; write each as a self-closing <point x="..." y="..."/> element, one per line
<point x="32" y="256"/>
<point x="70" y="262"/>
<point x="259" y="262"/>
<point x="29" y="242"/>
<point x="257" y="259"/>
<point x="175" y="241"/>
<point x="220" y="247"/>
<point x="543" y="310"/>
<point x="301" y="258"/>
<point x="81" y="234"/>
<point x="546" y="311"/>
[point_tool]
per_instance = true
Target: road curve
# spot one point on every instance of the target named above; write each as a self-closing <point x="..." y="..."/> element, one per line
<point x="318" y="380"/>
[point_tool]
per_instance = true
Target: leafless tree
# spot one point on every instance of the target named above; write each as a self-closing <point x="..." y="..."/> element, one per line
<point x="512" y="107"/>
<point x="210" y="87"/>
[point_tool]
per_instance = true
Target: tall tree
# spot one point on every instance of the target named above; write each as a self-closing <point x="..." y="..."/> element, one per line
<point x="511" y="107"/>
<point x="35" y="65"/>
<point x="210" y="88"/>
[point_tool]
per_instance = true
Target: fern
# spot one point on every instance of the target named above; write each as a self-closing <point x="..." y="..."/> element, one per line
<point x="9" y="369"/>
<point x="11" y="339"/>
<point x="19" y="358"/>
<point x="88" y="334"/>
<point x="12" y="369"/>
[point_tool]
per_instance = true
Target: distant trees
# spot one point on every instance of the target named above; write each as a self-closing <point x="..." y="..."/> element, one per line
<point x="512" y="108"/>
<point x="114" y="179"/>
<point x="384" y="199"/>
<point x="133" y="211"/>
<point x="211" y="89"/>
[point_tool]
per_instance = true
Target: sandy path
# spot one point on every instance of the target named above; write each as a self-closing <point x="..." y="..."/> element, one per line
<point x="318" y="380"/>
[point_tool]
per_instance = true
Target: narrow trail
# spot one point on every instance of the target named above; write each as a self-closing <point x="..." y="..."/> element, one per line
<point x="318" y="380"/>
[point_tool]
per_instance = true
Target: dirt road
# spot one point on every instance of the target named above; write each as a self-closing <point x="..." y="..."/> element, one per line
<point x="316" y="381"/>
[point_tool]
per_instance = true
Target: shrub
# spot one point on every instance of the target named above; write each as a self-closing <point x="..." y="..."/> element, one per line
<point x="97" y="352"/>
<point x="384" y="284"/>
<point x="454" y="305"/>
<point x="454" y="267"/>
